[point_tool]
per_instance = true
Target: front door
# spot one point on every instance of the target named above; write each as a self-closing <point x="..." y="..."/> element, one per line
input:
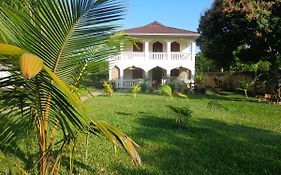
<point x="157" y="76"/>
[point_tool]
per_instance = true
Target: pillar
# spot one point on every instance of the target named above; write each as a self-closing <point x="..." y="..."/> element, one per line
<point x="146" y="50"/>
<point x="169" y="49"/>
<point x="121" y="77"/>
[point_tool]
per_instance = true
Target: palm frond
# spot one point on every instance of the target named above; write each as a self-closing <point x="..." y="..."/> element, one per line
<point x="166" y="90"/>
<point x="63" y="33"/>
<point x="114" y="135"/>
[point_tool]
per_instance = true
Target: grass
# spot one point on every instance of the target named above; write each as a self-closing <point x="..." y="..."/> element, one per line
<point x="242" y="137"/>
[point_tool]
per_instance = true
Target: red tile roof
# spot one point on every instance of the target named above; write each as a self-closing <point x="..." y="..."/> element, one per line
<point x="156" y="28"/>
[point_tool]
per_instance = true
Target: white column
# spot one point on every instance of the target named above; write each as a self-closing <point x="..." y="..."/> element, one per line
<point x="168" y="76"/>
<point x="121" y="77"/>
<point x="146" y="77"/>
<point x="169" y="49"/>
<point x="146" y="50"/>
<point x="110" y="73"/>
<point x="193" y="61"/>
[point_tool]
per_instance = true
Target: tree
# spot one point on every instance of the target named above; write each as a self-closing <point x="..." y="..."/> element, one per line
<point x="249" y="28"/>
<point x="264" y="44"/>
<point x="204" y="64"/>
<point x="219" y="37"/>
<point x="54" y="41"/>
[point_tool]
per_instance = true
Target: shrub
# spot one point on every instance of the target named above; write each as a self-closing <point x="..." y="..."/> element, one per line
<point x="172" y="86"/>
<point x="108" y="88"/>
<point x="166" y="90"/>
<point x="183" y="114"/>
<point x="143" y="87"/>
<point x="135" y="89"/>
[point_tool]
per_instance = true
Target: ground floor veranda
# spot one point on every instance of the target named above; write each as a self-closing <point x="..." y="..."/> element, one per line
<point x="130" y="76"/>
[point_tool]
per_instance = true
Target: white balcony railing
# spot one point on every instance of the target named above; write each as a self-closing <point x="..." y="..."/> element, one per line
<point x="158" y="55"/>
<point x="127" y="83"/>
<point x="180" y="56"/>
<point x="153" y="56"/>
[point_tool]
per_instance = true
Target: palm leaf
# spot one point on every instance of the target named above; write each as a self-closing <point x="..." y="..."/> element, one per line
<point x="114" y="135"/>
<point x="65" y="35"/>
<point x="166" y="90"/>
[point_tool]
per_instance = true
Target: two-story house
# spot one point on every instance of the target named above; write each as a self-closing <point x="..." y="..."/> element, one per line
<point x="162" y="53"/>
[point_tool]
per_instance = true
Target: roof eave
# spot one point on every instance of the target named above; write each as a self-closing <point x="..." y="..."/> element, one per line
<point x="164" y="34"/>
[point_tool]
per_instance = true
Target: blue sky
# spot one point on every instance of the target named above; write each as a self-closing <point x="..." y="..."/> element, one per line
<point x="183" y="14"/>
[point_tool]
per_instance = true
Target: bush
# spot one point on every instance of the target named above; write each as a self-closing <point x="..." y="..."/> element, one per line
<point x="166" y="90"/>
<point x="172" y="86"/>
<point x="143" y="87"/>
<point x="183" y="88"/>
<point x="108" y="88"/>
<point x="135" y="89"/>
<point x="199" y="89"/>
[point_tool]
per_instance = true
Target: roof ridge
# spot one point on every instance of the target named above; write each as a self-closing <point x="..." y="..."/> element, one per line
<point x="158" y="28"/>
<point x="155" y="22"/>
<point x="181" y="29"/>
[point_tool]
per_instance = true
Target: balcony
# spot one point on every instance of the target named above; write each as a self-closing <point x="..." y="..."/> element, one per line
<point x="173" y="56"/>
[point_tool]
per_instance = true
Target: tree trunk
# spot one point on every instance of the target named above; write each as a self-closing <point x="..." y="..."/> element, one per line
<point x="246" y="93"/>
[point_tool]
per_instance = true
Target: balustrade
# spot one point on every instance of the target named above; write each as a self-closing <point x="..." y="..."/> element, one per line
<point x="153" y="56"/>
<point x="127" y="83"/>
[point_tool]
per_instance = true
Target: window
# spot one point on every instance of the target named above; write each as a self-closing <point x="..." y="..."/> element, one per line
<point x="138" y="47"/>
<point x="157" y="47"/>
<point x="175" y="72"/>
<point x="175" y="47"/>
<point x="136" y="73"/>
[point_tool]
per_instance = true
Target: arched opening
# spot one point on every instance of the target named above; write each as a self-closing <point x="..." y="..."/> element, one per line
<point x="133" y="73"/>
<point x="175" y="47"/>
<point x="157" y="74"/>
<point x="175" y="72"/>
<point x="115" y="73"/>
<point x="138" y="47"/>
<point x="184" y="74"/>
<point x="157" y="47"/>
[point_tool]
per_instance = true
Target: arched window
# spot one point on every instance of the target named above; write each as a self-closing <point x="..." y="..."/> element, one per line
<point x="136" y="73"/>
<point x="157" y="47"/>
<point x="175" y="72"/>
<point x="138" y="47"/>
<point x="175" y="47"/>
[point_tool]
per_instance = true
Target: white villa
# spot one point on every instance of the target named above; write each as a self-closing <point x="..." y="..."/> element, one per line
<point x="162" y="53"/>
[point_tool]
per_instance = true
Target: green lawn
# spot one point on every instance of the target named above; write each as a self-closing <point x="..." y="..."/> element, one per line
<point x="244" y="139"/>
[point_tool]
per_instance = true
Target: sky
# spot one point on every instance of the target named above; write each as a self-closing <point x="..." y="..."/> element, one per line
<point x="184" y="14"/>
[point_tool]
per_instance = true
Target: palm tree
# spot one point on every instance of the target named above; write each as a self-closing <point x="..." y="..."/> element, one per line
<point x="54" y="40"/>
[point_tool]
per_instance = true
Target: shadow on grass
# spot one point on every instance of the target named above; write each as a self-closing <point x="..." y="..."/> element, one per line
<point x="205" y="147"/>
<point x="23" y="149"/>
<point x="222" y="97"/>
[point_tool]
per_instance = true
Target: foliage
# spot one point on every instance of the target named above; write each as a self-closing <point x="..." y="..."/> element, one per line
<point x="135" y="89"/>
<point x="172" y="85"/>
<point x="245" y="86"/>
<point x="203" y="64"/>
<point x="60" y="44"/>
<point x="183" y="114"/>
<point x="199" y="79"/>
<point x="97" y="72"/>
<point x="143" y="87"/>
<point x="251" y="28"/>
<point x="166" y="90"/>
<point x="108" y="88"/>
<point x="181" y="95"/>
<point x="215" y="104"/>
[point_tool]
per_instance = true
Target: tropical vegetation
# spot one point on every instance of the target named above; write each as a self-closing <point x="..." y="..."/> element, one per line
<point x="46" y="47"/>
<point x="236" y="33"/>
